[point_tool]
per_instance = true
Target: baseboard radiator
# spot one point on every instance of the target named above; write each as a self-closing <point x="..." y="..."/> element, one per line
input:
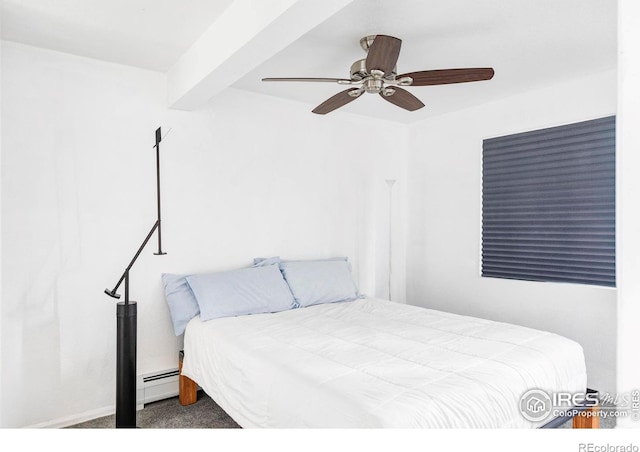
<point x="156" y="386"/>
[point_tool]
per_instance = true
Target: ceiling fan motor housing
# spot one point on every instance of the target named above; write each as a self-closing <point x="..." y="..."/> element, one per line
<point x="359" y="71"/>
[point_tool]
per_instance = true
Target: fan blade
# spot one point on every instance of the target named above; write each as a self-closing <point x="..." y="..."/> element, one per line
<point x="337" y="101"/>
<point x="446" y="76"/>
<point x="383" y="54"/>
<point x="306" y="79"/>
<point x="404" y="99"/>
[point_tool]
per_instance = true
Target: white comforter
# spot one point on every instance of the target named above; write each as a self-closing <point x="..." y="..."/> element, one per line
<point x="371" y="363"/>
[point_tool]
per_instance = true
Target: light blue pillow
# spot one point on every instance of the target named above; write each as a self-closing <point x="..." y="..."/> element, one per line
<point x="254" y="290"/>
<point x="183" y="305"/>
<point x="320" y="281"/>
<point x="260" y="261"/>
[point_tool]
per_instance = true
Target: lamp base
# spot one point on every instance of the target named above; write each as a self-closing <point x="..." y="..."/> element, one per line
<point x="127" y="319"/>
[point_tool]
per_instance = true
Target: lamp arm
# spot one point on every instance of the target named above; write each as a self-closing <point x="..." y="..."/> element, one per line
<point x="158" y="223"/>
<point x="112" y="293"/>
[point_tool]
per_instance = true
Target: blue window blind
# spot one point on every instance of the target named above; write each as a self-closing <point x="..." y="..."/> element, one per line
<point x="548" y="204"/>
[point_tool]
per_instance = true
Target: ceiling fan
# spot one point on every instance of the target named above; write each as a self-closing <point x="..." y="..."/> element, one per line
<point x="376" y="74"/>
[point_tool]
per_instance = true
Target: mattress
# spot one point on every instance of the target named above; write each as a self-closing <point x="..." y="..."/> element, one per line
<point x="371" y="363"/>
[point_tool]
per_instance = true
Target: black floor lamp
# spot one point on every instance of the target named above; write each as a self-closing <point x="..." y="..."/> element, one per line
<point x="127" y="319"/>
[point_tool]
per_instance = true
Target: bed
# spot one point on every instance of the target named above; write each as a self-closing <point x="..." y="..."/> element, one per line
<point x="371" y="363"/>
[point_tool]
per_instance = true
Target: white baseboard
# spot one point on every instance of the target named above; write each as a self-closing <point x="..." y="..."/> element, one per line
<point x="157" y="386"/>
<point x="76" y="418"/>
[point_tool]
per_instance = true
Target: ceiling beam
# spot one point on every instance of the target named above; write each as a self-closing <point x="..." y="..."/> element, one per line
<point x="248" y="33"/>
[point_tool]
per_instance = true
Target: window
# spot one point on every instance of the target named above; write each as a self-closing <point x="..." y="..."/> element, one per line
<point x="548" y="204"/>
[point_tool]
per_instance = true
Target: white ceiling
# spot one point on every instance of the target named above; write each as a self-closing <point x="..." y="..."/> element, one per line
<point x="150" y="34"/>
<point x="529" y="43"/>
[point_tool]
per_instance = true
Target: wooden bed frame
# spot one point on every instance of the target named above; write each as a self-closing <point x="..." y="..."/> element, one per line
<point x="187" y="388"/>
<point x="583" y="416"/>
<point x="587" y="418"/>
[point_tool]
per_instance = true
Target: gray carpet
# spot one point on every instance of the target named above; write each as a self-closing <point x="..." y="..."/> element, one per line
<point x="205" y="413"/>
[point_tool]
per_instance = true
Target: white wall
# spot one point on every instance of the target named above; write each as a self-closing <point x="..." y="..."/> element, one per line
<point x="444" y="220"/>
<point x="245" y="176"/>
<point x="1" y="397"/>
<point x="628" y="209"/>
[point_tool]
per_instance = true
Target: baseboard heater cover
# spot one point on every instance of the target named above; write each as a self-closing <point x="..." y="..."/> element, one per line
<point x="155" y="386"/>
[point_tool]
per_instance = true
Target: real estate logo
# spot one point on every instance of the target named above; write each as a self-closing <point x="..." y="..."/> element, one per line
<point x="535" y="405"/>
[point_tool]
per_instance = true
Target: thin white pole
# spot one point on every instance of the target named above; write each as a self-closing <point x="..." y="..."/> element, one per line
<point x="390" y="183"/>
